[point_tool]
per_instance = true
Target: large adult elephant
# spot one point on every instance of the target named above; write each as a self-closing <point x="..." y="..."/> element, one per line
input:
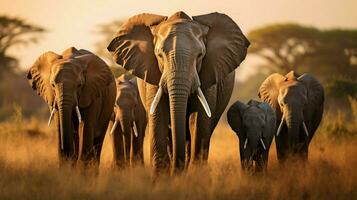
<point x="181" y="62"/>
<point x="298" y="103"/>
<point x="79" y="89"/>
<point x="128" y="124"/>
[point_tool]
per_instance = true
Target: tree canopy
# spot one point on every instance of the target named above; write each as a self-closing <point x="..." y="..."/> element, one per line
<point x="331" y="55"/>
<point x="15" y="32"/>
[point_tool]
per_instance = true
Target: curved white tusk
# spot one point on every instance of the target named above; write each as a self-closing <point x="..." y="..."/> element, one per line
<point x="245" y="143"/>
<point x="305" y="128"/>
<point x="51" y="116"/>
<point x="156" y="100"/>
<point x="203" y="101"/>
<point x="261" y="141"/>
<point x="114" y="127"/>
<point x="280" y="126"/>
<point x="135" y="129"/>
<point x="78" y="115"/>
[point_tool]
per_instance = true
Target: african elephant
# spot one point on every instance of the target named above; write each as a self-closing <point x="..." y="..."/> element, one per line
<point x="181" y="62"/>
<point x="298" y="102"/>
<point x="128" y="124"/>
<point x="254" y="123"/>
<point x="79" y="89"/>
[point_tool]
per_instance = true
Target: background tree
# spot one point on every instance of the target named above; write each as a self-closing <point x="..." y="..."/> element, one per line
<point x="331" y="55"/>
<point x="14" y="89"/>
<point x="15" y="32"/>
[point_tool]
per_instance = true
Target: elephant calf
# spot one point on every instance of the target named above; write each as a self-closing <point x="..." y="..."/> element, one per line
<point x="128" y="123"/>
<point x="254" y="124"/>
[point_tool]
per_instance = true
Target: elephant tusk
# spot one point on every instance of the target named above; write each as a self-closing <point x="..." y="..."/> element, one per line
<point x="280" y="126"/>
<point x="78" y="114"/>
<point x="261" y="141"/>
<point x="305" y="128"/>
<point x="114" y="127"/>
<point x="156" y="101"/>
<point x="203" y="101"/>
<point x="135" y="129"/>
<point x="245" y="143"/>
<point x="51" y="116"/>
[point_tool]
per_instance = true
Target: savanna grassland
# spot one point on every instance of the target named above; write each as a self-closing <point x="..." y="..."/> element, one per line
<point x="29" y="169"/>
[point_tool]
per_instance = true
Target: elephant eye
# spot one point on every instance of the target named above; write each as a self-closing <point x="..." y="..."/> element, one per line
<point x="200" y="55"/>
<point x="160" y="55"/>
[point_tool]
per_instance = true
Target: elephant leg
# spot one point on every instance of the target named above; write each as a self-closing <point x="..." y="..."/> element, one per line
<point x="158" y="129"/>
<point x="118" y="146"/>
<point x="87" y="133"/>
<point x="76" y="144"/>
<point x="98" y="144"/>
<point x="86" y="144"/>
<point x="201" y="127"/>
<point x="136" y="150"/>
<point x="169" y="144"/>
<point x="188" y="143"/>
<point x="282" y="145"/>
<point x="200" y="138"/>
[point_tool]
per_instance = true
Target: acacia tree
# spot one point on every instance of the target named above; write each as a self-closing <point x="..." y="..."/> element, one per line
<point x="331" y="55"/>
<point x="300" y="48"/>
<point x="284" y="46"/>
<point x="15" y="32"/>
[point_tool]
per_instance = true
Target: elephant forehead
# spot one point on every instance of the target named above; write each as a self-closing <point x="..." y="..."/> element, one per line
<point x="254" y="115"/>
<point x="66" y="70"/>
<point x="179" y="26"/>
<point x="292" y="90"/>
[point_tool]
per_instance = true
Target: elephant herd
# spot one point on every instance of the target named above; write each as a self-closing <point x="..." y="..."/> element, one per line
<point x="184" y="70"/>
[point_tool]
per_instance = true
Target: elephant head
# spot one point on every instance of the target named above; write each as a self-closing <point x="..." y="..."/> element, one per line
<point x="180" y="55"/>
<point x="254" y="124"/>
<point x="68" y="82"/>
<point x="125" y="104"/>
<point x="294" y="98"/>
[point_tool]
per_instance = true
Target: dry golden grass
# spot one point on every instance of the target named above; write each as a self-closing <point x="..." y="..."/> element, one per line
<point x="29" y="170"/>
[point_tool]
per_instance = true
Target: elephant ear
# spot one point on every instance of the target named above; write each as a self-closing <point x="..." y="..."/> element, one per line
<point x="235" y="117"/>
<point x="97" y="77"/>
<point x="39" y="76"/>
<point x="315" y="91"/>
<point x="269" y="90"/>
<point x="226" y="47"/>
<point x="133" y="47"/>
<point x="270" y="121"/>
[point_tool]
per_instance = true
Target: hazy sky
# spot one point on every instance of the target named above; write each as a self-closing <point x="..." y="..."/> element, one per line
<point x="74" y="22"/>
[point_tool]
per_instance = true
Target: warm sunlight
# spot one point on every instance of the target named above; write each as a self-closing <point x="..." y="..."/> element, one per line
<point x="178" y="99"/>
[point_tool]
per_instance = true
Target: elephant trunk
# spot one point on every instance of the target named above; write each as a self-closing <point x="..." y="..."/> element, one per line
<point x="65" y="108"/>
<point x="125" y="125"/>
<point x="178" y="91"/>
<point x="293" y="121"/>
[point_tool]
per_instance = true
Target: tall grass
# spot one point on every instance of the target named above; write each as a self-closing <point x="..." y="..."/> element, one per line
<point x="29" y="170"/>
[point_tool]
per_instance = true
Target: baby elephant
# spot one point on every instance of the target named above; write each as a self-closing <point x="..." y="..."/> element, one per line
<point x="128" y="124"/>
<point x="254" y="124"/>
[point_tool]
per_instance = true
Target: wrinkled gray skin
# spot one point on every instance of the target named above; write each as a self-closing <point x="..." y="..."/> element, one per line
<point x="297" y="100"/>
<point x="128" y="148"/>
<point x="76" y="78"/>
<point x="178" y="55"/>
<point x="254" y="123"/>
